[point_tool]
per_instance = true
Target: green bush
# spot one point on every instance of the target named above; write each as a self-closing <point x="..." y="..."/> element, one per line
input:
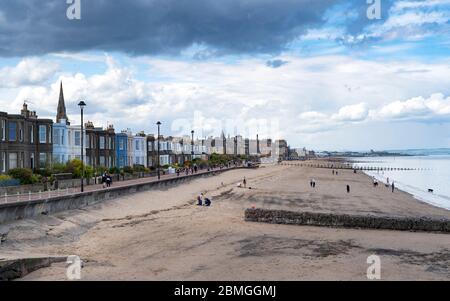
<point x="128" y="170"/>
<point x="114" y="171"/>
<point x="75" y="167"/>
<point x="25" y="176"/>
<point x="5" y="178"/>
<point x="138" y="168"/>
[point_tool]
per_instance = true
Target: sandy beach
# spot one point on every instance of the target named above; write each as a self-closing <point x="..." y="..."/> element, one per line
<point x="163" y="235"/>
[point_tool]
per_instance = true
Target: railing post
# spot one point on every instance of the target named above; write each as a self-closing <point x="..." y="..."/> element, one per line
<point x="6" y="197"/>
<point x="29" y="195"/>
<point x="18" y="196"/>
<point x="40" y="194"/>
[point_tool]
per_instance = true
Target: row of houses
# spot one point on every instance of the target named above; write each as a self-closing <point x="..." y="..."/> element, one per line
<point x="27" y="141"/>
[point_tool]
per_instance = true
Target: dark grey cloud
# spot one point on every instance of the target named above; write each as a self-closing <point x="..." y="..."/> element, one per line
<point x="35" y="27"/>
<point x="276" y="63"/>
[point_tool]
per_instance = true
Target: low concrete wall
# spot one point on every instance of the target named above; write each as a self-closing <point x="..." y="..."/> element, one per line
<point x="29" y="209"/>
<point x="347" y="221"/>
<point x="17" y="268"/>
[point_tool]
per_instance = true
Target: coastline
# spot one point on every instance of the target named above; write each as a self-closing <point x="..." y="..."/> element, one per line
<point x="163" y="235"/>
<point x="433" y="199"/>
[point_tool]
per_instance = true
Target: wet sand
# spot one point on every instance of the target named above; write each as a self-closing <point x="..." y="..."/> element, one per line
<point x="163" y="235"/>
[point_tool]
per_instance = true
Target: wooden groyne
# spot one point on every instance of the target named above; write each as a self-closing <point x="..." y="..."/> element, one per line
<point x="350" y="167"/>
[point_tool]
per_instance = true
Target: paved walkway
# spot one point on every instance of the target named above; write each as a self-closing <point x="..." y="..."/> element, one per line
<point x="88" y="188"/>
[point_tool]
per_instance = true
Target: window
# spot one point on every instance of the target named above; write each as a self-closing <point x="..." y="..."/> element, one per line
<point x="77" y="138"/>
<point x="61" y="137"/>
<point x="137" y="144"/>
<point x="102" y="161"/>
<point x="3" y="130"/>
<point x="31" y="134"/>
<point x="57" y="141"/>
<point x="50" y="134"/>
<point x="3" y="162"/>
<point x="12" y="160"/>
<point x="32" y="161"/>
<point x="102" y="143"/>
<point x="20" y="134"/>
<point x="121" y="145"/>
<point x="87" y="144"/>
<point x="12" y="131"/>
<point x="22" y="160"/>
<point x="42" y="134"/>
<point x="150" y="146"/>
<point x="42" y="158"/>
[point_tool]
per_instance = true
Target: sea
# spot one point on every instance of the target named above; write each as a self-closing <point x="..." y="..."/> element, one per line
<point x="430" y="170"/>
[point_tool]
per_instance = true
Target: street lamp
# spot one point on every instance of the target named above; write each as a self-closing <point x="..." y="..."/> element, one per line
<point x="192" y="145"/>
<point x="159" y="174"/>
<point x="82" y="104"/>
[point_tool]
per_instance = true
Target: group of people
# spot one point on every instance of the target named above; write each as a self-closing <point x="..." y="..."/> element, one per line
<point x="335" y="172"/>
<point x="106" y="179"/>
<point x="203" y="200"/>
<point x="388" y="183"/>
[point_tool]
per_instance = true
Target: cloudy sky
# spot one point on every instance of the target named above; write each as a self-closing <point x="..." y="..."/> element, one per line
<point x="319" y="73"/>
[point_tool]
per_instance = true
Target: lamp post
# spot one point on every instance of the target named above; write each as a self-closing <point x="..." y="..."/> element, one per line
<point x="192" y="145"/>
<point x="82" y="104"/>
<point x="159" y="174"/>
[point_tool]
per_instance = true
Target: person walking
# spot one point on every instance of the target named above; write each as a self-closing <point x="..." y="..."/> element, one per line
<point x="245" y="182"/>
<point x="348" y="188"/>
<point x="393" y="186"/>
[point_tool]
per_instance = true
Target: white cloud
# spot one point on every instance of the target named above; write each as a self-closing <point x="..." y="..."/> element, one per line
<point x="29" y="71"/>
<point x="352" y="113"/>
<point x="308" y="95"/>
<point x="435" y="107"/>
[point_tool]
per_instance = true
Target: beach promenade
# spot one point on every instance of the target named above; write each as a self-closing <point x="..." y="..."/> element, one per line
<point x="162" y="235"/>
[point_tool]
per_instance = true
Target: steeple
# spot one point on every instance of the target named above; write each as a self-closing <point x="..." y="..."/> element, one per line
<point x="61" y="112"/>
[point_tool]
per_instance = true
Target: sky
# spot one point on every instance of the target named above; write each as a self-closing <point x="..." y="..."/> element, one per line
<point x="321" y="74"/>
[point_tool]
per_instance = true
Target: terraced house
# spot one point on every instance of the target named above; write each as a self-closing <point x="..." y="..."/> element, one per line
<point x="66" y="137"/>
<point x="25" y="140"/>
<point x="100" y="146"/>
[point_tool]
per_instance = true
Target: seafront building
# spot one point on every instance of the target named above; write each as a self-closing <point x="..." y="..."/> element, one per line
<point x="29" y="142"/>
<point x="122" y="150"/>
<point x="66" y="137"/>
<point x="100" y="146"/>
<point x="25" y="141"/>
<point x="139" y="151"/>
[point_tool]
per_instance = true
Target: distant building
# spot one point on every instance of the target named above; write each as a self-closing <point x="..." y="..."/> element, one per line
<point x="25" y="141"/>
<point x="100" y="146"/>
<point x="66" y="137"/>
<point x="122" y="150"/>
<point x="139" y="149"/>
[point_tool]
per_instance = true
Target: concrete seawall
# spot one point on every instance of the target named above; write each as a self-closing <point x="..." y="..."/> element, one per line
<point x="347" y="221"/>
<point x="30" y="209"/>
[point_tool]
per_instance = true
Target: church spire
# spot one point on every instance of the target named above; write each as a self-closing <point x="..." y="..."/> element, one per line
<point x="61" y="112"/>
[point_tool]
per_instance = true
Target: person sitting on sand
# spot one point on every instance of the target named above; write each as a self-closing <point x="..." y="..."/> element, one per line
<point x="200" y="199"/>
<point x="207" y="202"/>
